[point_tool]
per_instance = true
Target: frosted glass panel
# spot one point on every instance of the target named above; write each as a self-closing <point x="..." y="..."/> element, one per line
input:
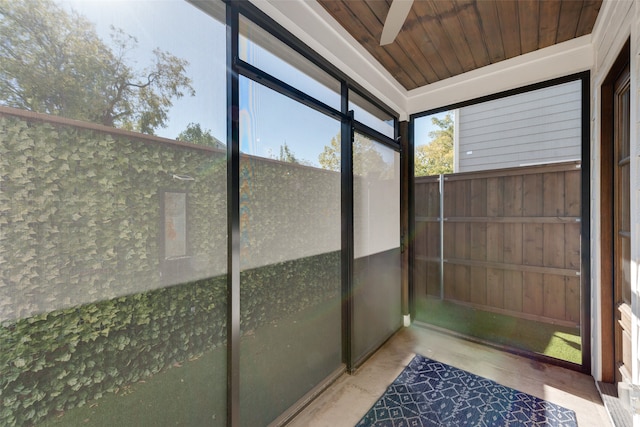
<point x="113" y="223"/>
<point x="376" y="197"/>
<point x="290" y="252"/>
<point x="377" y="290"/>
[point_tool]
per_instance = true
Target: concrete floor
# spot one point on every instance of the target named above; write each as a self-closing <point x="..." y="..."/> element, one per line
<point x="351" y="396"/>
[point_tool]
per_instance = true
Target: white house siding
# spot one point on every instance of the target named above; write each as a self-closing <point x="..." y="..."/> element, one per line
<point x="542" y="126"/>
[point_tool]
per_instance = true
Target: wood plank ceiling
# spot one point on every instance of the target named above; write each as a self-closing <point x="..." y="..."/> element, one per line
<point x="444" y="38"/>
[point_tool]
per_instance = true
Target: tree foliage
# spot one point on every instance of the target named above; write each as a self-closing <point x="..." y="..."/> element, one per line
<point x="286" y="155"/>
<point x="436" y="157"/>
<point x="367" y="159"/>
<point x="53" y="62"/>
<point x="196" y="135"/>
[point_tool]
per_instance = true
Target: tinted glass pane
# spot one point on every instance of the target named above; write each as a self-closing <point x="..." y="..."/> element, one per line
<point x="367" y="113"/>
<point x="113" y="232"/>
<point x="290" y="251"/>
<point x="261" y="49"/>
<point x="377" y="293"/>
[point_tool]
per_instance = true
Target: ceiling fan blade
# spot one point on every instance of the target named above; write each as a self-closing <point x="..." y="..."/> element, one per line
<point x="395" y="20"/>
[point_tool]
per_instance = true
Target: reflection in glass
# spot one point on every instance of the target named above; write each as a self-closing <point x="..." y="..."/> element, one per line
<point x="113" y="238"/>
<point x="263" y="50"/>
<point x="369" y="114"/>
<point x="290" y="253"/>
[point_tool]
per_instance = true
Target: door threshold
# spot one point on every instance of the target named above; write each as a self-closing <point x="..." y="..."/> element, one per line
<point x="619" y="413"/>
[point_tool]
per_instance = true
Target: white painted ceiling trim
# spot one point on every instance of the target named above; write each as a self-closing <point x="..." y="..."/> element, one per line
<point x="559" y="60"/>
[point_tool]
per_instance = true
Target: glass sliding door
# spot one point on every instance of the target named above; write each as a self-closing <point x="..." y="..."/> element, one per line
<point x="290" y="286"/>
<point x="376" y="273"/>
<point x="113" y="224"/>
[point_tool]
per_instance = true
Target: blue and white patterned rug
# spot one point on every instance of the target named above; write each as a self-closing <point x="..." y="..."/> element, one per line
<point x="430" y="393"/>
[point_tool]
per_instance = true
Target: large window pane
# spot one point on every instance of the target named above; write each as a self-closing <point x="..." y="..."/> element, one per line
<point x="262" y="50"/>
<point x="377" y="291"/>
<point x="497" y="242"/>
<point x="290" y="251"/>
<point x="112" y="232"/>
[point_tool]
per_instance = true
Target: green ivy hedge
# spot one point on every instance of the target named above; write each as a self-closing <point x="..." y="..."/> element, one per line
<point x="59" y="360"/>
<point x="62" y="359"/>
<point x="83" y="306"/>
<point x="80" y="213"/>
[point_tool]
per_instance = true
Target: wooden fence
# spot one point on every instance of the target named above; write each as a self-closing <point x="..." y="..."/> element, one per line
<point x="509" y="239"/>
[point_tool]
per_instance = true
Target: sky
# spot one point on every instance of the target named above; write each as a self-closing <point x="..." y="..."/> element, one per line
<point x="424" y="125"/>
<point x="188" y="33"/>
<point x="184" y="31"/>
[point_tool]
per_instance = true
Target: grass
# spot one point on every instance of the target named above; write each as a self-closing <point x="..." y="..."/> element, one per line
<point x="279" y="363"/>
<point x="552" y="340"/>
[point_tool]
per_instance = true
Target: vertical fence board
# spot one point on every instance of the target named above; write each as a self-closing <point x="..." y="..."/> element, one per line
<point x="420" y="239"/>
<point x="572" y="193"/>
<point x="462" y="285"/>
<point x="513" y="291"/>
<point x="463" y="198"/>
<point x="553" y="245"/>
<point x="420" y="278"/>
<point x="532" y="195"/>
<point x="433" y="279"/>
<point x="554" y="296"/>
<point x="494" y="197"/>
<point x="533" y="248"/>
<point x="462" y="242"/>
<point x="433" y="202"/>
<point x="478" y="197"/>
<point x="572" y="246"/>
<point x="533" y="297"/>
<point x="513" y="195"/>
<point x="512" y="243"/>
<point x="478" y="292"/>
<point x="449" y="236"/>
<point x="449" y="281"/>
<point x="553" y="194"/>
<point x="495" y="287"/>
<point x="421" y="198"/>
<point x="478" y="237"/>
<point x="573" y="299"/>
<point x="433" y="240"/>
<point x="449" y="198"/>
<point x="495" y="242"/>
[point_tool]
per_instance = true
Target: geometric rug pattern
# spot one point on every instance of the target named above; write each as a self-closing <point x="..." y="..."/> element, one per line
<point x="430" y="393"/>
